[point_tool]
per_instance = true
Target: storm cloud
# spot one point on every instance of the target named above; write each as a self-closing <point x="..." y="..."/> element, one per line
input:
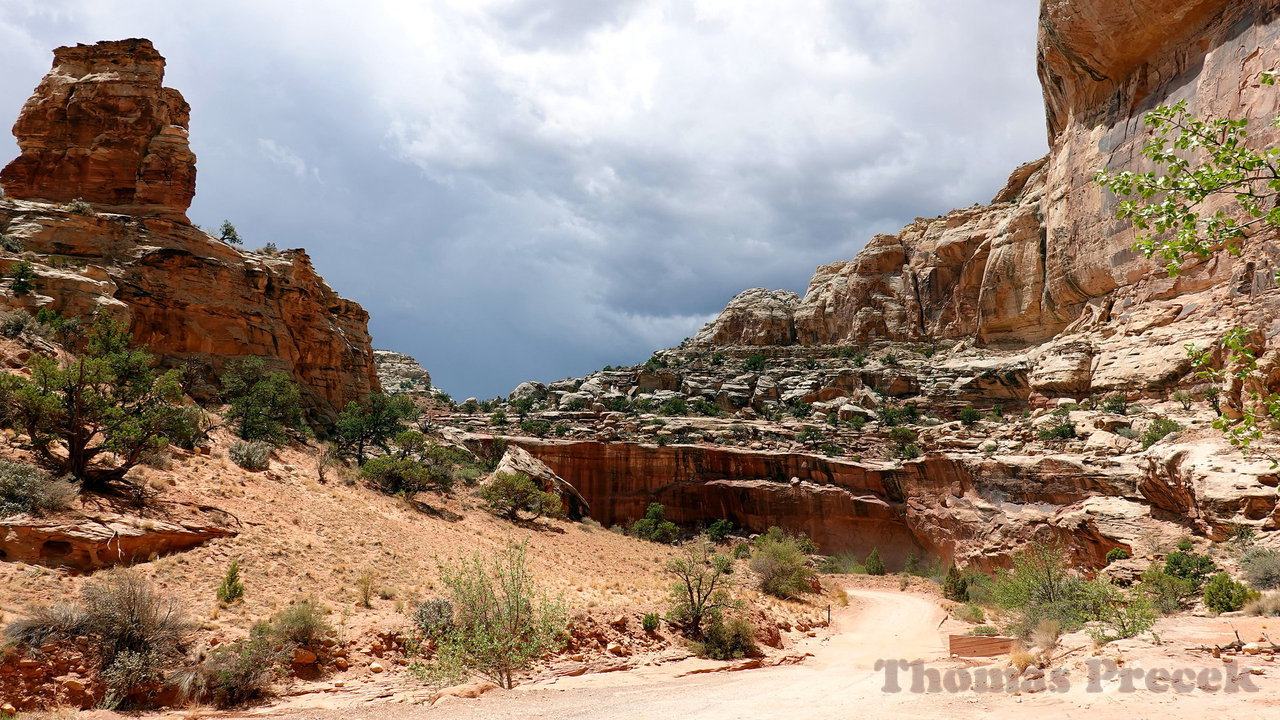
<point x="522" y="189"/>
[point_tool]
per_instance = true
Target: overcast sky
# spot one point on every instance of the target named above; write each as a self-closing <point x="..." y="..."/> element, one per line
<point x="533" y="189"/>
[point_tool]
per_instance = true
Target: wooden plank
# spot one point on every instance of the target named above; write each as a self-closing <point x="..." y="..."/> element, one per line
<point x="981" y="645"/>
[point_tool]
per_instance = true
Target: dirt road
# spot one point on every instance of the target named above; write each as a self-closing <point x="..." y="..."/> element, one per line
<point x="840" y="680"/>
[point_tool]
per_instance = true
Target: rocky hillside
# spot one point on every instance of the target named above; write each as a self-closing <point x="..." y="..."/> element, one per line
<point x="96" y="204"/>
<point x="1033" y="315"/>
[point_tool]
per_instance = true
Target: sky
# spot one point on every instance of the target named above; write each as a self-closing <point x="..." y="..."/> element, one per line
<point x="533" y="189"/>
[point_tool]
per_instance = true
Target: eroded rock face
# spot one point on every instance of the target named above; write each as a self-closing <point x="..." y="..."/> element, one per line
<point x="102" y="127"/>
<point x="401" y="374"/>
<point x="195" y="301"/>
<point x="92" y="543"/>
<point x="755" y="317"/>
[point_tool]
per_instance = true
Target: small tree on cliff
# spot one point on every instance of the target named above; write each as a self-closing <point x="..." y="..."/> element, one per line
<point x="264" y="405"/>
<point x="1206" y="160"/>
<point x="227" y="233"/>
<point x="700" y="590"/>
<point x="93" y="417"/>
<point x="374" y="423"/>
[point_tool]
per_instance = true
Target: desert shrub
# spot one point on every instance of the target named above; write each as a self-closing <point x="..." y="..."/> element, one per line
<point x="1261" y="567"/>
<point x="985" y="630"/>
<point x="783" y="568"/>
<point x="702" y="406"/>
<point x="1039" y="587"/>
<point x="673" y="406"/>
<point x="719" y="530"/>
<point x="561" y="429"/>
<point x="701" y="580"/>
<point x="969" y="416"/>
<point x="264" y="404"/>
<point x="536" y="428"/>
<point x="1185" y="544"/>
<point x="187" y="427"/>
<point x="800" y="410"/>
<point x="650" y="622"/>
<point x="28" y="489"/>
<point x="499" y="417"/>
<point x="741" y="550"/>
<point x="1113" y="613"/>
<point x="414" y="464"/>
<point x="11" y="243"/>
<point x="233" y="674"/>
<point x="755" y="363"/>
<point x="134" y="630"/>
<point x="842" y="564"/>
<point x="1117" y="554"/>
<point x="1168" y="593"/>
<point x="809" y="436"/>
<point x="890" y="360"/>
<point x="509" y="494"/>
<point x="434" y="618"/>
<point x="873" y="564"/>
<point x="232" y="588"/>
<point x="13" y="324"/>
<point x="1115" y="403"/>
<point x="1184" y="399"/>
<point x="969" y="613"/>
<point x="78" y="206"/>
<point x="503" y="621"/>
<point x="301" y="624"/>
<point x="655" y="527"/>
<point x="955" y="586"/>
<point x="1267" y="604"/>
<point x="727" y="638"/>
<point x="1058" y="431"/>
<point x="1158" y="430"/>
<point x="1223" y="594"/>
<point x="250" y="455"/>
<point x="1189" y="566"/>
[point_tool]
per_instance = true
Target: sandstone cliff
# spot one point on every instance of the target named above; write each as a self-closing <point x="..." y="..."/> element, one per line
<point x="101" y="127"/>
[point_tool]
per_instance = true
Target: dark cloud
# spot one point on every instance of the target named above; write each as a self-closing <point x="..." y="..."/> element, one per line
<point x="525" y="189"/>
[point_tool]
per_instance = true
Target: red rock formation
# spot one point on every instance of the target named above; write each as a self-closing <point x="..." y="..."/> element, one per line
<point x="92" y="543"/>
<point x="973" y="510"/>
<point x="101" y="127"/>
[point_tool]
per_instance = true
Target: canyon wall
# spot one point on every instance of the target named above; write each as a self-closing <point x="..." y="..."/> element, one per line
<point x="102" y="128"/>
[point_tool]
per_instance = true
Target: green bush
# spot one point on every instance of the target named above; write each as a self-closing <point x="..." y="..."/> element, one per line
<point x="1039" y="587"/>
<point x="719" y="530"/>
<point x="187" y="427"/>
<point x="650" y="622"/>
<point x="1116" y="404"/>
<point x="755" y="363"/>
<point x="232" y="588"/>
<point x="970" y="612"/>
<point x="1261" y="567"/>
<point x="509" y="494"/>
<point x="782" y="566"/>
<point x="727" y="639"/>
<point x="741" y="551"/>
<point x="984" y="630"/>
<point x="22" y="277"/>
<point x="1189" y="566"/>
<point x="1222" y="594"/>
<point x="536" y="428"/>
<point x="873" y="564"/>
<point x="701" y="581"/>
<point x="842" y="564"/>
<point x="1115" y="614"/>
<point x="503" y="622"/>
<point x="655" y="527"/>
<point x="27" y="489"/>
<point x="264" y="405"/>
<point x="11" y="243"/>
<point x="969" y="416"/>
<point x="673" y="407"/>
<point x="1158" y="430"/>
<point x="1185" y="544"/>
<point x="301" y="624"/>
<point x="250" y="455"/>
<point x="1168" y="594"/>
<point x="1059" y="431"/>
<point x="1116" y="554"/>
<point x="702" y="406"/>
<point x="955" y="587"/>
